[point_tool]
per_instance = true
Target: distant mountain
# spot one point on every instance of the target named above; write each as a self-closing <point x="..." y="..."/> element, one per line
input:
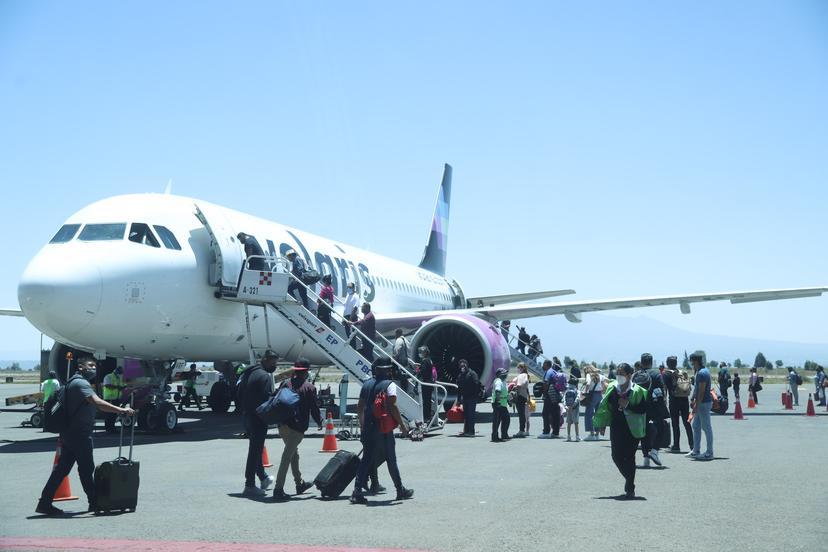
<point x="605" y="338"/>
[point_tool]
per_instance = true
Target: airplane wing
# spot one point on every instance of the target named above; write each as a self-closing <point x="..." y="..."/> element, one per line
<point x="11" y="312"/>
<point x="572" y="309"/>
<point x="493" y="300"/>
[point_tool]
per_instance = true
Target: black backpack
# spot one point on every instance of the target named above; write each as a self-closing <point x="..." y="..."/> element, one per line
<point x="55" y="415"/>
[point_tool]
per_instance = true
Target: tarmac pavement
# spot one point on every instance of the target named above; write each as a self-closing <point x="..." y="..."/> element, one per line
<point x="764" y="491"/>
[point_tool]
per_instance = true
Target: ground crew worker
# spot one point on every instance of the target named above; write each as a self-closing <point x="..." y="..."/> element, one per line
<point x="190" y="388"/>
<point x="49" y="386"/>
<point x="81" y="403"/>
<point x="500" y="407"/>
<point x="113" y="386"/>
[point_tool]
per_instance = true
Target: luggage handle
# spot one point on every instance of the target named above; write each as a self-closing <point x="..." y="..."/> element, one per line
<point x="132" y="434"/>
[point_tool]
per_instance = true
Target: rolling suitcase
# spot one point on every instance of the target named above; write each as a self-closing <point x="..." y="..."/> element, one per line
<point x="116" y="481"/>
<point x="337" y="474"/>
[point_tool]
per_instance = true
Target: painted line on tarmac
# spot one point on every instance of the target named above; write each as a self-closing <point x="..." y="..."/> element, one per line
<point x="96" y="545"/>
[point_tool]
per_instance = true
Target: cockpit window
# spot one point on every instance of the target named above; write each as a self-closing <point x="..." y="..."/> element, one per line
<point x="103" y="232"/>
<point x="66" y="233"/>
<point x="141" y="233"/>
<point x="167" y="237"/>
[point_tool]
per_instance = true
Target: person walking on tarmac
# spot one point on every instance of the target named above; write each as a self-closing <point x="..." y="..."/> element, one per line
<point x="650" y="379"/>
<point x="293" y="431"/>
<point x="113" y="387"/>
<point x="377" y="436"/>
<point x="468" y="384"/>
<point x="50" y="386"/>
<point x="81" y="404"/>
<point x="297" y="268"/>
<point x="255" y="386"/>
<point x="623" y="410"/>
<point x="190" y="388"/>
<point x="426" y="374"/>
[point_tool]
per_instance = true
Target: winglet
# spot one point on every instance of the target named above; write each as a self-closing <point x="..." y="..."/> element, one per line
<point x="434" y="256"/>
<point x="168" y="189"/>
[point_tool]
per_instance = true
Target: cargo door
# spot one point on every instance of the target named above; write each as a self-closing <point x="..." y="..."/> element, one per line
<point x="228" y="252"/>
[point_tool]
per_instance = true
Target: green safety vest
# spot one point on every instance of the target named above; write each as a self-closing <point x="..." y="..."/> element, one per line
<point x="504" y="396"/>
<point x="636" y="422"/>
<point x="114" y="380"/>
<point x="49" y="387"/>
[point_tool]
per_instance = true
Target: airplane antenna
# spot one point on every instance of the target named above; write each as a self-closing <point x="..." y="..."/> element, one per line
<point x="168" y="189"/>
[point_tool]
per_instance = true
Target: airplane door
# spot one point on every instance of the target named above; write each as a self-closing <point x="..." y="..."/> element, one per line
<point x="228" y="251"/>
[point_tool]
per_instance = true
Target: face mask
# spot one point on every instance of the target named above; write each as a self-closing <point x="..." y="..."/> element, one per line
<point x="90" y="375"/>
<point x="622" y="380"/>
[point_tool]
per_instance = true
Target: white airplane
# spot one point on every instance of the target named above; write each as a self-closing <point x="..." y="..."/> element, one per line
<point x="140" y="276"/>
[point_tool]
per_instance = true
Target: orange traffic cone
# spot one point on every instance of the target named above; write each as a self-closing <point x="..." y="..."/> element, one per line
<point x="63" y="492"/>
<point x="810" y="411"/>
<point x="738" y="414"/>
<point x="789" y="403"/>
<point x="751" y="402"/>
<point x="265" y="460"/>
<point x="329" y="442"/>
<point x="784" y="400"/>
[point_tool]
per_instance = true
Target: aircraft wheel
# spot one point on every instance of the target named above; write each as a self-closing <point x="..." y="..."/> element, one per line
<point x="146" y="419"/>
<point x="166" y="418"/>
<point x="36" y="419"/>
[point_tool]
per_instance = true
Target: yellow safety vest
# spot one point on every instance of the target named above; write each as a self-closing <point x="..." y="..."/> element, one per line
<point x="112" y="380"/>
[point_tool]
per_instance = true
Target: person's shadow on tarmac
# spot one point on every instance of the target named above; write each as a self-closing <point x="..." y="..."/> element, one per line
<point x="622" y="498"/>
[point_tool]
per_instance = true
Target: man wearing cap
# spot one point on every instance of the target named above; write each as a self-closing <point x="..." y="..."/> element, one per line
<point x="255" y="386"/>
<point x="500" y="407"/>
<point x="650" y="379"/>
<point x="373" y="440"/>
<point x="293" y="431"/>
<point x="700" y="405"/>
<point x="297" y="268"/>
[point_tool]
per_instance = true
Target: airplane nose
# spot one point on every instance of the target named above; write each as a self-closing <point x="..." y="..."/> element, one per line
<point x="60" y="297"/>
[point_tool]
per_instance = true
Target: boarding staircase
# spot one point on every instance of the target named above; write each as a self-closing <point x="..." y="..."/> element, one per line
<point x="535" y="365"/>
<point x="268" y="289"/>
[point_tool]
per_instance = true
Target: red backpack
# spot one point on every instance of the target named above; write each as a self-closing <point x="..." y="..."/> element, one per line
<point x="385" y="422"/>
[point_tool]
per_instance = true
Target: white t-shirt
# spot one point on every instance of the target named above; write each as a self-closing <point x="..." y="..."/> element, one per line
<point x="522" y="385"/>
<point x="392" y="390"/>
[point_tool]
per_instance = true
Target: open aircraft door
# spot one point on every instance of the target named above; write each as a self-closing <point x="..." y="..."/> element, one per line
<point x="229" y="254"/>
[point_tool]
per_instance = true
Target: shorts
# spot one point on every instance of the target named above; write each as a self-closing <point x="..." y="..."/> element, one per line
<point x="573" y="415"/>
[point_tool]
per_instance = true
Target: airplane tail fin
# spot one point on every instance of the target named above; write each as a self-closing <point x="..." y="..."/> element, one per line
<point x="434" y="256"/>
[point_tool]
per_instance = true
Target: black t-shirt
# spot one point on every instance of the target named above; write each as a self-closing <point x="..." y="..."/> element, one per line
<point x="255" y="387"/>
<point x="426" y="372"/>
<point x="469" y="384"/>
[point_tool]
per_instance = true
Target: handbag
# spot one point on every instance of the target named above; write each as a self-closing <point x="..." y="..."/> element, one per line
<point x="533" y="405"/>
<point x="586" y="398"/>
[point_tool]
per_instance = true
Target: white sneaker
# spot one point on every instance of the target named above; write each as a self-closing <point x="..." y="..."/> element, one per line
<point x="646" y="462"/>
<point x="578" y="439"/>
<point x="655" y="458"/>
<point x="544" y="436"/>
<point x="691" y="454"/>
<point x="267" y="482"/>
<point x="253" y="491"/>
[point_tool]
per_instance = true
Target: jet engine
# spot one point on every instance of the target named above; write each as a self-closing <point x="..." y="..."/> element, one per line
<point x="454" y="337"/>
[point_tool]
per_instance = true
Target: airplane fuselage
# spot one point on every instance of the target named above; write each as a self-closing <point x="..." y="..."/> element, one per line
<point x="134" y="299"/>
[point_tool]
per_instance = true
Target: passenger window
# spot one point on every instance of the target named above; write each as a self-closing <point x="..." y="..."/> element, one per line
<point x="167" y="237"/>
<point x="103" y="232"/>
<point x="141" y="233"/>
<point x="66" y="233"/>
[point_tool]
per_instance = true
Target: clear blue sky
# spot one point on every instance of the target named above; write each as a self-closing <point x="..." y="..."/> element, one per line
<point x="620" y="149"/>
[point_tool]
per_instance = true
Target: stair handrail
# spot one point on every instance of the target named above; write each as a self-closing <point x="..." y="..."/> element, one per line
<point x="340" y="318"/>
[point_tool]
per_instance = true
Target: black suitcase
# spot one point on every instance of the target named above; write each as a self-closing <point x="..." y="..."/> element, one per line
<point x="337" y="474"/>
<point x="116" y="481"/>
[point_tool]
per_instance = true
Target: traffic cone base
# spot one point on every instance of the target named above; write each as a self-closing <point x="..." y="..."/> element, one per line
<point x="738" y="414"/>
<point x="329" y="442"/>
<point x="265" y="459"/>
<point x="64" y="491"/>
<point x="751" y="402"/>
<point x="810" y="411"/>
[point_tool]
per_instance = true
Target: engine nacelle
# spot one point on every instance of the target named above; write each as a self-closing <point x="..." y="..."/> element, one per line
<point x="454" y="337"/>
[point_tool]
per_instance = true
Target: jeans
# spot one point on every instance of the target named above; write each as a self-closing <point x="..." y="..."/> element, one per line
<point x="290" y="456"/>
<point x="701" y="422"/>
<point x="500" y="419"/>
<point x="520" y="405"/>
<point x="372" y="440"/>
<point x="75" y="448"/>
<point x="256" y="434"/>
<point x="795" y="393"/>
<point x="591" y="407"/>
<point x="469" y="412"/>
<point x="680" y="409"/>
<point x="555" y="417"/>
